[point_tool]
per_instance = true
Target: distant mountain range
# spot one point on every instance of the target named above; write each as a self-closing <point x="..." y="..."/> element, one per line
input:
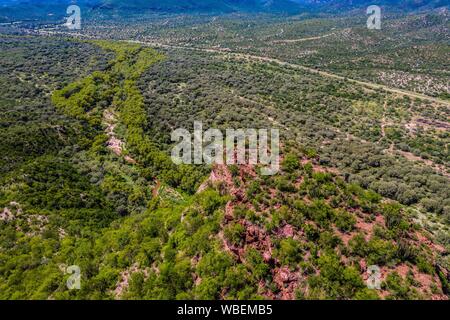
<point x="330" y="5"/>
<point x="164" y="6"/>
<point x="10" y="9"/>
<point x="213" y="6"/>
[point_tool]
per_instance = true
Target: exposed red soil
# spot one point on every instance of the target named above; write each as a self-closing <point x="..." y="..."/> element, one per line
<point x="114" y="143"/>
<point x="287" y="281"/>
<point x="430" y="244"/>
<point x="156" y="189"/>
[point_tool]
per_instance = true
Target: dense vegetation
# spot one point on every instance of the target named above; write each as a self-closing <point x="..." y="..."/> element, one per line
<point x="77" y="187"/>
<point x="346" y="124"/>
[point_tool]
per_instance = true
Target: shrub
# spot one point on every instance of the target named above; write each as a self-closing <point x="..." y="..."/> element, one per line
<point x="256" y="265"/>
<point x="289" y="252"/>
<point x="345" y="221"/>
<point x="234" y="233"/>
<point x="291" y="163"/>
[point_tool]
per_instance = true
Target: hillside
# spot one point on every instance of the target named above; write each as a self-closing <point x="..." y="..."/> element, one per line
<point x="331" y="5"/>
<point x="93" y="205"/>
<point x="209" y="6"/>
<point x="55" y="9"/>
